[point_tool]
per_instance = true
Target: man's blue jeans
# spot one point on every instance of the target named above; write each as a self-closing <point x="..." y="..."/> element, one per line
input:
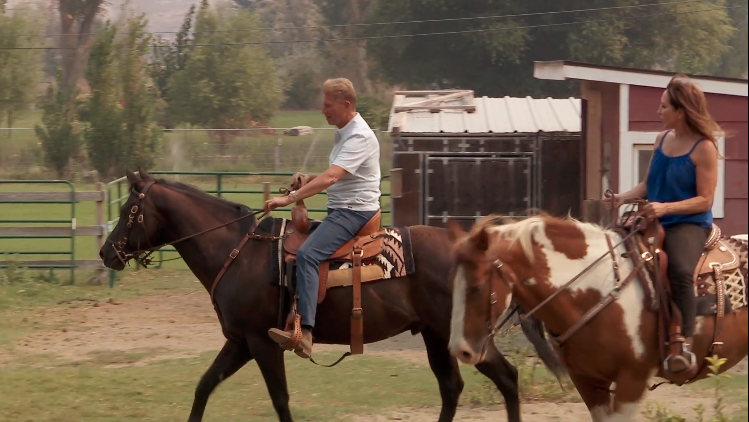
<point x="340" y="226"/>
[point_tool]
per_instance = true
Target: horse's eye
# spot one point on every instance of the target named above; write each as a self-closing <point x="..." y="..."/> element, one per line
<point x="474" y="289"/>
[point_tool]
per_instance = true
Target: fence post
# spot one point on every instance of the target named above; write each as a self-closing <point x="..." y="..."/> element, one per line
<point x="100" y="215"/>
<point x="596" y="212"/>
<point x="266" y="193"/>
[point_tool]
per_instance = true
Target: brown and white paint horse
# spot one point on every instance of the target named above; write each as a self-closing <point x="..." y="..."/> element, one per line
<point x="527" y="261"/>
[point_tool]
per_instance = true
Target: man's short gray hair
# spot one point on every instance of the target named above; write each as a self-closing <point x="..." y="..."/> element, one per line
<point x="341" y="89"/>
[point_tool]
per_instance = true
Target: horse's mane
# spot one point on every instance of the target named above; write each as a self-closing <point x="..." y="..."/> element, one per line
<point x="522" y="231"/>
<point x="185" y="188"/>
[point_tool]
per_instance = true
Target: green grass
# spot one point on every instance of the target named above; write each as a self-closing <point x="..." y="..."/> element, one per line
<point x="163" y="391"/>
<point x="127" y="386"/>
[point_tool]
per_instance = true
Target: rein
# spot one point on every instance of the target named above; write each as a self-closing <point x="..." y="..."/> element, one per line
<point x="143" y="256"/>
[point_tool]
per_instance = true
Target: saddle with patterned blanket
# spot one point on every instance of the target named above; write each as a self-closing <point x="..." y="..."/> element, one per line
<point x="374" y="254"/>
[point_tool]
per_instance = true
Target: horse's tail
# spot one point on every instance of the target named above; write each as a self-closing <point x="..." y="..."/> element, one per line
<point x="534" y="330"/>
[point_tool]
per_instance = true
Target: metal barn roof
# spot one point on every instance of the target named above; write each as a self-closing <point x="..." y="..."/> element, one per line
<point x="435" y="112"/>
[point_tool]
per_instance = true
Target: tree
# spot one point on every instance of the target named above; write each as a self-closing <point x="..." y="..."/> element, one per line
<point x="169" y="58"/>
<point x="77" y="18"/>
<point x="349" y="59"/>
<point x="20" y="61"/>
<point x="497" y="58"/>
<point x="59" y="132"/>
<point x="228" y="82"/>
<point x="299" y="65"/>
<point x="735" y="61"/>
<point x="122" y="131"/>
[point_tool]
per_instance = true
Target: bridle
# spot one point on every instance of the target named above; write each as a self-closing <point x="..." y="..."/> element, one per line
<point x="143" y="256"/>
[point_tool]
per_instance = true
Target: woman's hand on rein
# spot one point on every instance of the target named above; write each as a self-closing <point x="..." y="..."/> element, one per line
<point x="655" y="210"/>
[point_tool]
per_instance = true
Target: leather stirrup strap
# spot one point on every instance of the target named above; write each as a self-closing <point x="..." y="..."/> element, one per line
<point x="357" y="316"/>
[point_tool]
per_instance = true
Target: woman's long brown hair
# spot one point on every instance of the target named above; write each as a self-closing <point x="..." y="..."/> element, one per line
<point x="686" y="95"/>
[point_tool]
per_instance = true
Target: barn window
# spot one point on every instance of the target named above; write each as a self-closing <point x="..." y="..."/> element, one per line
<point x="636" y="149"/>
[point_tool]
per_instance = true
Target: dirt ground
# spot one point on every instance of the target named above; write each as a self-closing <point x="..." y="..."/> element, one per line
<point x="184" y="325"/>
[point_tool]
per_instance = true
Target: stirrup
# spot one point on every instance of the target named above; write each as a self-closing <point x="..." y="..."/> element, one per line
<point x="692" y="360"/>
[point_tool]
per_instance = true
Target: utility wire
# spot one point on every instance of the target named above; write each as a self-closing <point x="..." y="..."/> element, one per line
<point x="472" y="18"/>
<point x="426" y="34"/>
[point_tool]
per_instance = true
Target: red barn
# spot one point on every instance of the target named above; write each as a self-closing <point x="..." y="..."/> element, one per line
<point x="621" y="125"/>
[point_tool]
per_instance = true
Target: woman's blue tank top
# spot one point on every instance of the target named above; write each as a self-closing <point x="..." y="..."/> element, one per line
<point x="673" y="179"/>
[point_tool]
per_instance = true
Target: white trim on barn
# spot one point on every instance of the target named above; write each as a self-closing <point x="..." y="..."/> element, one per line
<point x="629" y="142"/>
<point x="561" y="70"/>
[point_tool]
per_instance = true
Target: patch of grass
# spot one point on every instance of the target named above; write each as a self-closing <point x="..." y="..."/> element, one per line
<point x="726" y="389"/>
<point x="163" y="391"/>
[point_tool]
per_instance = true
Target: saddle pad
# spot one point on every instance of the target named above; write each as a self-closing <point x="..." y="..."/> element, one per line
<point x="396" y="258"/>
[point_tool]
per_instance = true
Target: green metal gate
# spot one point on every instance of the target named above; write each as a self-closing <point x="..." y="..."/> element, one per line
<point x="37" y="232"/>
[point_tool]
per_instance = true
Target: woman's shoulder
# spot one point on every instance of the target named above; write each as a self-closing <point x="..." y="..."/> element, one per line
<point x="705" y="150"/>
<point x="661" y="136"/>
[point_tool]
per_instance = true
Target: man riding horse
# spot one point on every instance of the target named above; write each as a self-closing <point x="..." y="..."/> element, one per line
<point x="680" y="187"/>
<point x="353" y="186"/>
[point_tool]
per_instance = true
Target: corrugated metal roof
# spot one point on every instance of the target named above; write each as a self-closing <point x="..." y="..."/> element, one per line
<point x="492" y="115"/>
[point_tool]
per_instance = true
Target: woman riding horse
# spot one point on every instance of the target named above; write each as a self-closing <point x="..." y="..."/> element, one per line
<point x="680" y="187"/>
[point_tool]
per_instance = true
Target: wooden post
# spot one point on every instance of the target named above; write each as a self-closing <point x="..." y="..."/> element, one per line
<point x="100" y="216"/>
<point x="266" y="193"/>
<point x="596" y="212"/>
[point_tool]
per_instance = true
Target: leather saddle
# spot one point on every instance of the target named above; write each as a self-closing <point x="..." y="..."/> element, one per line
<point x="365" y="244"/>
<point x="717" y="257"/>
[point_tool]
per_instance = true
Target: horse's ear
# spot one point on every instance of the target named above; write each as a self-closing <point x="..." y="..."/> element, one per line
<point x="481" y="240"/>
<point x="455" y="230"/>
<point x="143" y="174"/>
<point x="131" y="177"/>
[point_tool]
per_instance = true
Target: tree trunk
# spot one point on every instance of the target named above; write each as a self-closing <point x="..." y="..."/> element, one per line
<point x="76" y="42"/>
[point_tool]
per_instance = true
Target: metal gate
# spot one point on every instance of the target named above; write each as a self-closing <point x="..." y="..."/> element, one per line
<point x="464" y="188"/>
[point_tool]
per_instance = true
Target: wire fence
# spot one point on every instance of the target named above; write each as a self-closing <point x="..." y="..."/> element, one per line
<point x="293" y="149"/>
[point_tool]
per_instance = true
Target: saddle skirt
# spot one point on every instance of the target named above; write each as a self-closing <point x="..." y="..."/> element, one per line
<point x="724" y="257"/>
<point x="728" y="257"/>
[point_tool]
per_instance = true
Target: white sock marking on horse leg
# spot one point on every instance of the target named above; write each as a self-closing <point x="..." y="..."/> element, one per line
<point x="457" y="320"/>
<point x="626" y="413"/>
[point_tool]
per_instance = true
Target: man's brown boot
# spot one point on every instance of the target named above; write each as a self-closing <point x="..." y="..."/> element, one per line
<point x="304" y="350"/>
<point x="684" y="361"/>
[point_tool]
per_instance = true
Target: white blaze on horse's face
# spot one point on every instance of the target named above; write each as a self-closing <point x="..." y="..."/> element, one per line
<point x="471" y="320"/>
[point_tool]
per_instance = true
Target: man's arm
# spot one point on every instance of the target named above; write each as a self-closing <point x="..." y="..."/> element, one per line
<point x="320" y="182"/>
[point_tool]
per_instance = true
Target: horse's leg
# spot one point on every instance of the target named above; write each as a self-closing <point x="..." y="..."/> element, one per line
<point x="269" y="358"/>
<point x="445" y="368"/>
<point x="505" y="377"/>
<point x="596" y="395"/>
<point x="230" y="359"/>
<point x="630" y="389"/>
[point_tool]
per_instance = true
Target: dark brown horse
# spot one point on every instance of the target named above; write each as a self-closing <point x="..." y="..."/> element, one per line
<point x="160" y="212"/>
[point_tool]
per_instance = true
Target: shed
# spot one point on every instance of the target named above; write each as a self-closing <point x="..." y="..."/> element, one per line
<point x="461" y="157"/>
<point x="622" y="125"/>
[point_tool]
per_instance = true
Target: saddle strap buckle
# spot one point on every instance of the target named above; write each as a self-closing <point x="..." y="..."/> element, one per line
<point x="357" y="313"/>
<point x="234" y="253"/>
